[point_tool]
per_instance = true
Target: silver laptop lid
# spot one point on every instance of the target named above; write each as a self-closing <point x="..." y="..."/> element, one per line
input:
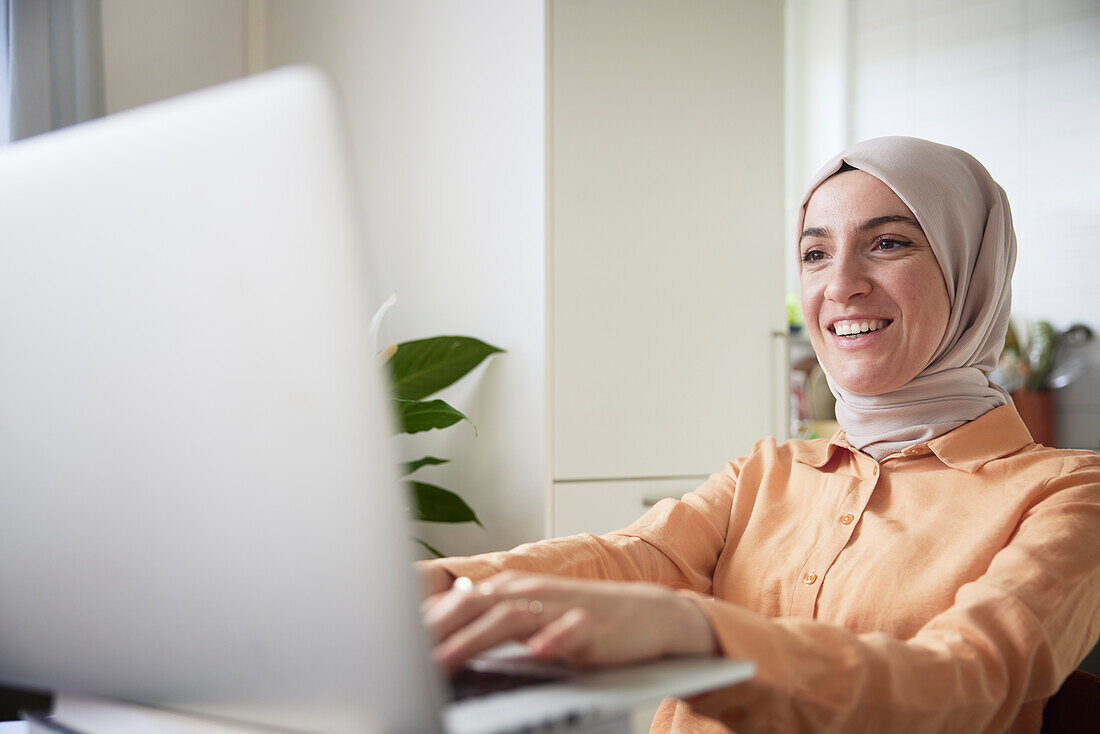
<point x="198" y="500"/>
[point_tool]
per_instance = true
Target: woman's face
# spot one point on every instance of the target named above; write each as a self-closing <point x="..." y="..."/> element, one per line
<point x="873" y="296"/>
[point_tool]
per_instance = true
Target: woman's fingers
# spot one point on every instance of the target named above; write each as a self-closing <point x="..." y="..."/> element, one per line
<point x="508" y="619"/>
<point x="460" y="583"/>
<point x="465" y="602"/>
<point x="454" y="610"/>
<point x="565" y="638"/>
<point x="433" y="578"/>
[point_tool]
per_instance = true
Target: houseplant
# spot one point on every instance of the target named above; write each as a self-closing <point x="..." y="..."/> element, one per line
<point x="417" y="370"/>
<point x="1031" y="370"/>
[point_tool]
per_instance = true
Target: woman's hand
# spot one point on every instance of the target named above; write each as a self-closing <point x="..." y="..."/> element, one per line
<point x="584" y="623"/>
<point x="434" y="579"/>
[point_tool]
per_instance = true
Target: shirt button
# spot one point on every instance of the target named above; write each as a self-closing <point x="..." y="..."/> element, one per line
<point x="809" y="578"/>
<point x="874" y="472"/>
<point x="847" y="519"/>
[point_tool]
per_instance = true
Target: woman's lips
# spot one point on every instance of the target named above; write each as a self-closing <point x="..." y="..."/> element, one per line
<point x="851" y="329"/>
<point x="859" y="333"/>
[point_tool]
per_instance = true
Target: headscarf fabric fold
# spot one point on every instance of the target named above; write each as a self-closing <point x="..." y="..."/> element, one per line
<point x="966" y="217"/>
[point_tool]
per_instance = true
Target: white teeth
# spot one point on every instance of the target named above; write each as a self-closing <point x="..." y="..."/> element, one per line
<point x="848" y="328"/>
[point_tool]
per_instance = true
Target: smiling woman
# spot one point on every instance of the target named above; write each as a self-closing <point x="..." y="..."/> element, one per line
<point x="929" y="568"/>
<point x="932" y="257"/>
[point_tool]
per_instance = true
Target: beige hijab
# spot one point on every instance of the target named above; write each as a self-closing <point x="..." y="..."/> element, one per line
<point x="966" y="217"/>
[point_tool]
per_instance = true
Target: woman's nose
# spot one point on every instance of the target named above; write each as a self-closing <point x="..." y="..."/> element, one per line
<point x="847" y="279"/>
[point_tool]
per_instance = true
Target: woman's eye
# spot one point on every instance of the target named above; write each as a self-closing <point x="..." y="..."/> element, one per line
<point x="888" y="244"/>
<point x="812" y="256"/>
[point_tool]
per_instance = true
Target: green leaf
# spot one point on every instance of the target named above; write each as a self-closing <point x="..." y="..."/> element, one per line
<point x="411" y="466"/>
<point x="435" y="504"/>
<point x="1042" y="346"/>
<point x="431" y="548"/>
<point x="424" y="415"/>
<point x="424" y="366"/>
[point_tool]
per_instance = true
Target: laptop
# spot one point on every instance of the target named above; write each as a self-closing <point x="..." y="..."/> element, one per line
<point x="201" y="512"/>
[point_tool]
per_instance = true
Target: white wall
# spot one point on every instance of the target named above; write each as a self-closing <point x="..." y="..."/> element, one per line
<point x="154" y="49"/>
<point x="817" y="80"/>
<point x="446" y="105"/>
<point x="1016" y="83"/>
<point x="445" y="101"/>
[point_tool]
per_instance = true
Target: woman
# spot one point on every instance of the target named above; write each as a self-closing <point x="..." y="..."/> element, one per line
<point x="929" y="568"/>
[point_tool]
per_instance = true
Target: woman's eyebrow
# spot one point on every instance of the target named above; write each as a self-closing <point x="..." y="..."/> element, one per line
<point x="814" y="232"/>
<point x="864" y="226"/>
<point x="889" y="219"/>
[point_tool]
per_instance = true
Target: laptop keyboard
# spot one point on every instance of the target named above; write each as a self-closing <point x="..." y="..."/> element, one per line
<point x="469" y="682"/>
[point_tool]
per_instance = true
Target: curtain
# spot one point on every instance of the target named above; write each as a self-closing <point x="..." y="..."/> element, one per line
<point x="5" y="82"/>
<point x="54" y="52"/>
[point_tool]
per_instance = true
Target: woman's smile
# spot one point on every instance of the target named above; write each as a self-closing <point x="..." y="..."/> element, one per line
<point x="855" y="334"/>
<point x="853" y="328"/>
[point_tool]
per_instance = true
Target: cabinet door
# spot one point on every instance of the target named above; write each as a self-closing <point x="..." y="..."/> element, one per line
<point x="601" y="507"/>
<point x="666" y="186"/>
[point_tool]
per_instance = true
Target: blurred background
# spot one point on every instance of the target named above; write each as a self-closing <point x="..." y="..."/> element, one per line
<point x="606" y="189"/>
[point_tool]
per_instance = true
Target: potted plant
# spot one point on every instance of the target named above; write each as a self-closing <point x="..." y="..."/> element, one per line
<point x="417" y="370"/>
<point x="1031" y="372"/>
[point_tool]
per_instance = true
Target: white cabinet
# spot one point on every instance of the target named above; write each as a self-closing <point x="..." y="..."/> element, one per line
<point x="665" y="176"/>
<point x="601" y="507"/>
<point x="663" y="144"/>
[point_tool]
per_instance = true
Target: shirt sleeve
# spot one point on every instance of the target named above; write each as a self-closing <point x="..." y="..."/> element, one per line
<point x="676" y="543"/>
<point x="1011" y="636"/>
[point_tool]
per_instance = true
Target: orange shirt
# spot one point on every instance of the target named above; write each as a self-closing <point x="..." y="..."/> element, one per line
<point x="951" y="587"/>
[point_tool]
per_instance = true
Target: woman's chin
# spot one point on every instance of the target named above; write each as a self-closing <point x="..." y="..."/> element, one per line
<point x="868" y="382"/>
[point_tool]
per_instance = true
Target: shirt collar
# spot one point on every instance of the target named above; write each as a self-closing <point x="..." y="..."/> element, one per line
<point x="818" y="453"/>
<point x="969" y="447"/>
<point x="972" y="445"/>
